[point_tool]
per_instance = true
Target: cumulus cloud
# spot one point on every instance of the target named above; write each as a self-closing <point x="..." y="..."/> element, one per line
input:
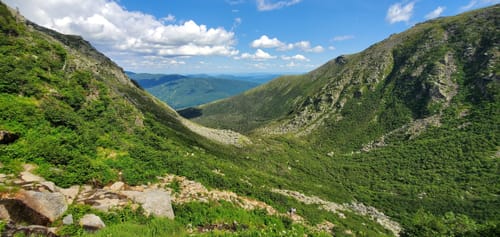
<point x="298" y="57"/>
<point x="269" y="5"/>
<point x="265" y="42"/>
<point x="306" y="47"/>
<point x="398" y="12"/>
<point x="436" y="13"/>
<point x="112" y="28"/>
<point x="259" y="55"/>
<point x="343" y="37"/>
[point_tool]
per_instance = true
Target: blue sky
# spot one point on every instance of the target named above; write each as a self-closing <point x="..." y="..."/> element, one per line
<point x="234" y="36"/>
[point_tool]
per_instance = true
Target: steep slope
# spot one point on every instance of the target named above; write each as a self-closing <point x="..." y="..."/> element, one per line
<point x="410" y="125"/>
<point x="69" y="103"/>
<point x="421" y="67"/>
<point x="73" y="116"/>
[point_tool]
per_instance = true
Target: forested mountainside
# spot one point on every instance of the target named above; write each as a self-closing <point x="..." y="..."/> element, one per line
<point x="404" y="142"/>
<point x="413" y="120"/>
<point x="83" y="147"/>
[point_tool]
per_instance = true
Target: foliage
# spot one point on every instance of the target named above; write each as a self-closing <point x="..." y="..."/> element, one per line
<point x="82" y="125"/>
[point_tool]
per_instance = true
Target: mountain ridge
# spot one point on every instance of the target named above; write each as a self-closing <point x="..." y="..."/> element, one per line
<point x="69" y="115"/>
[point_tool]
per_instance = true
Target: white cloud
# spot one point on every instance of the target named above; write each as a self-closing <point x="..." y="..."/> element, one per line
<point x="169" y="18"/>
<point x="398" y="12"/>
<point x="111" y="28"/>
<point x="306" y="47"/>
<point x="269" y="5"/>
<point x="236" y="23"/>
<point x="332" y="48"/>
<point x="477" y="3"/>
<point x="259" y="55"/>
<point x="436" y="13"/>
<point x="265" y="42"/>
<point x="298" y="57"/>
<point x="343" y="37"/>
<point x="469" y="6"/>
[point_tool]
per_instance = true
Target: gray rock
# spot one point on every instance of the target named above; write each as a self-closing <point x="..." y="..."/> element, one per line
<point x="117" y="186"/>
<point x="70" y="193"/>
<point x="39" y="208"/>
<point x="154" y="202"/>
<point x="91" y="222"/>
<point x="27" y="176"/>
<point x="49" y="185"/>
<point x="68" y="220"/>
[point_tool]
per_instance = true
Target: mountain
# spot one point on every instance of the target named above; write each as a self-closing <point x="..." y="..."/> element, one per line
<point x="400" y="139"/>
<point x="186" y="91"/>
<point x="79" y="140"/>
<point x="410" y="125"/>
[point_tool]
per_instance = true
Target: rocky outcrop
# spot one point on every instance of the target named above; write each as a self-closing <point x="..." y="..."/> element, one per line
<point x="91" y="222"/>
<point x="7" y="137"/>
<point x="358" y="208"/>
<point x="40" y="208"/>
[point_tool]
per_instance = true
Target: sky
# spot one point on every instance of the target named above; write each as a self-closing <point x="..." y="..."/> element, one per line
<point x="234" y="36"/>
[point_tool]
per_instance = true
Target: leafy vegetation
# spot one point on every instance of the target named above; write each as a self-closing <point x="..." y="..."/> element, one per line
<point x="81" y="125"/>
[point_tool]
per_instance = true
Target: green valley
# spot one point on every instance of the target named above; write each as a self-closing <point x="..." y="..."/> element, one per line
<point x="400" y="139"/>
<point x="181" y="91"/>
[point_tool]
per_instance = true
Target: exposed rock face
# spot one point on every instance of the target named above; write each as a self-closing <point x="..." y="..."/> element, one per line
<point x="355" y="207"/>
<point x="154" y="202"/>
<point x="40" y="208"/>
<point x="7" y="137"/>
<point x="223" y="136"/>
<point x="92" y="222"/>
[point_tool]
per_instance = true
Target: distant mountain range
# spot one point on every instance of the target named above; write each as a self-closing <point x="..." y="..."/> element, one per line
<point x="182" y="91"/>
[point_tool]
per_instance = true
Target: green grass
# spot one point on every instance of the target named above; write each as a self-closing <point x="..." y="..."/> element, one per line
<point x="80" y="126"/>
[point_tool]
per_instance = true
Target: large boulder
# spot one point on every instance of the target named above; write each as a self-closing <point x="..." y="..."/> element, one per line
<point x="91" y="222"/>
<point x="39" y="208"/>
<point x="154" y="202"/>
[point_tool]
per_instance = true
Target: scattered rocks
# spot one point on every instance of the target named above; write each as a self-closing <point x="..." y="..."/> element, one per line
<point x="7" y="137"/>
<point x="358" y="208"/>
<point x="91" y="222"/>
